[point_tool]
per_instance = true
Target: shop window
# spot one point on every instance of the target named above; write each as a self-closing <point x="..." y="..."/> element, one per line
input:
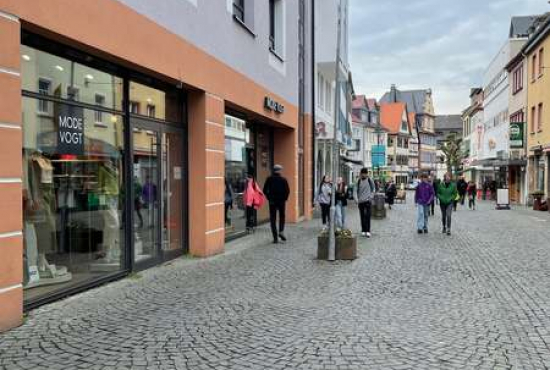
<point x="64" y="79"/>
<point x="72" y="197"/>
<point x="158" y="104"/>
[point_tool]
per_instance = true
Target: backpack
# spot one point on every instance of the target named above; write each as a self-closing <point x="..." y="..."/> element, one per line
<point x="371" y="184"/>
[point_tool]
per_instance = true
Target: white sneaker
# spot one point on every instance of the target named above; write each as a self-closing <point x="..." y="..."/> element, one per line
<point x="364" y="234"/>
<point x="369" y="235"/>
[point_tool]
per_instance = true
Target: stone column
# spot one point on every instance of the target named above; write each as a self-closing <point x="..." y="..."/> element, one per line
<point x="11" y="222"/>
<point x="286" y="154"/>
<point x="535" y="172"/>
<point x="206" y="174"/>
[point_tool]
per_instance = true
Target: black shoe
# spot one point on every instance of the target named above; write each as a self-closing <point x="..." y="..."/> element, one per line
<point x="275" y="241"/>
<point x="420" y="231"/>
<point x="444" y="231"/>
<point x="448" y="232"/>
<point x="425" y="230"/>
<point x="282" y="236"/>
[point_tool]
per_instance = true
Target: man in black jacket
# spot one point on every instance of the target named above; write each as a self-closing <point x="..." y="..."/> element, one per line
<point x="276" y="190"/>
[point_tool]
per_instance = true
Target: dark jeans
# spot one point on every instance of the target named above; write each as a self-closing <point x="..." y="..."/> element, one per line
<point x="365" y="210"/>
<point x="472" y="202"/>
<point x="446" y="215"/>
<point x="273" y="209"/>
<point x="462" y="198"/>
<point x="325" y="213"/>
<point x="250" y="217"/>
<point x="227" y="218"/>
<point x="432" y="208"/>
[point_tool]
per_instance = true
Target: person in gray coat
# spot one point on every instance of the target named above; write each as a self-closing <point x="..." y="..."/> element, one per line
<point x="365" y="190"/>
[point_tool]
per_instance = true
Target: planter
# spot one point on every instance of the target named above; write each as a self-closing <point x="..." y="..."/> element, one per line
<point x="537" y="201"/>
<point x="346" y="248"/>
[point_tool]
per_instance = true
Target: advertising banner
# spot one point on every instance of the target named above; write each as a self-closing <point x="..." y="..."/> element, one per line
<point x="516" y="135"/>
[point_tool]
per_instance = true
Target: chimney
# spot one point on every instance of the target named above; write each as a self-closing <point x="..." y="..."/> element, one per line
<point x="393" y="94"/>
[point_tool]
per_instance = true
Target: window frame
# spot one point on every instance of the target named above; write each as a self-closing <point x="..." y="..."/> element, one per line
<point x="541" y="63"/>
<point x="98" y="114"/>
<point x="239" y="6"/>
<point x="539" y="117"/>
<point x="43" y="103"/>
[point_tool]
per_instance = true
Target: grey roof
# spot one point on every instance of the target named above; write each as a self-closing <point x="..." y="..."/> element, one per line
<point x="414" y="98"/>
<point x="447" y="123"/>
<point x="520" y="26"/>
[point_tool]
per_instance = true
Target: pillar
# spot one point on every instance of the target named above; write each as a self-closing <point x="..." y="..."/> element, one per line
<point x="11" y="222"/>
<point x="206" y="174"/>
<point x="536" y="172"/>
<point x="309" y="156"/>
<point x="286" y="154"/>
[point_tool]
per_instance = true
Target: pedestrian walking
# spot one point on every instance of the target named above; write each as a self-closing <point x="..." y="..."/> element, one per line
<point x="324" y="200"/>
<point x="391" y="193"/>
<point x="446" y="193"/>
<point x="253" y="199"/>
<point x="423" y="197"/>
<point x="461" y="187"/>
<point x="277" y="191"/>
<point x="365" y="193"/>
<point x="433" y="182"/>
<point x="472" y="192"/>
<point x="341" y="203"/>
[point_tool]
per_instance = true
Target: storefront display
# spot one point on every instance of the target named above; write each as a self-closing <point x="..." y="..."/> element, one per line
<point x="75" y="159"/>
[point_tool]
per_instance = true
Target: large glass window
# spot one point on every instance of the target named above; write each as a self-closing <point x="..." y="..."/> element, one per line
<point x="73" y="163"/>
<point x="72" y="197"/>
<point x="61" y="78"/>
<point x="239" y="160"/>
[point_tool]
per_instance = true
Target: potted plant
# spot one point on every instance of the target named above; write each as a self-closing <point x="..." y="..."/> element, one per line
<point x="537" y="199"/>
<point x="346" y="245"/>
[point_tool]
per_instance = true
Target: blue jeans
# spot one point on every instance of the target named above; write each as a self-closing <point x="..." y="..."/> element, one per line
<point x="423" y="211"/>
<point x="340" y="215"/>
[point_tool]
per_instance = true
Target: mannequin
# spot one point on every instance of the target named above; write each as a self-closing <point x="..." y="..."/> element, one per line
<point x="110" y="190"/>
<point x="39" y="226"/>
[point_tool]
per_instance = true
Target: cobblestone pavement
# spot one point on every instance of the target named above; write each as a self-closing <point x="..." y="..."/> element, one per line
<point x="479" y="299"/>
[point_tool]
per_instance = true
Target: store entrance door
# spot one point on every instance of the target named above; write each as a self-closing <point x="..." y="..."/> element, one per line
<point x="158" y="192"/>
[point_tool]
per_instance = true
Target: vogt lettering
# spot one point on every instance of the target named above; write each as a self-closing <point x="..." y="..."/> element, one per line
<point x="71" y="130"/>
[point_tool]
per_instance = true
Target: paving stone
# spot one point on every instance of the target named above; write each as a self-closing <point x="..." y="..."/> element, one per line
<point x="479" y="299"/>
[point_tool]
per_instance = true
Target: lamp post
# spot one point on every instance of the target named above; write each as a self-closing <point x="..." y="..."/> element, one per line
<point x="335" y="146"/>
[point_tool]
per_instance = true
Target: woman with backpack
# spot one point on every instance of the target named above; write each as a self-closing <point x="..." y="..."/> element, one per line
<point x="324" y="199"/>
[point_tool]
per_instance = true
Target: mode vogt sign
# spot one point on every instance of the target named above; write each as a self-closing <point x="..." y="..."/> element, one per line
<point x="516" y="135"/>
<point x="273" y="105"/>
<point x="70" y="134"/>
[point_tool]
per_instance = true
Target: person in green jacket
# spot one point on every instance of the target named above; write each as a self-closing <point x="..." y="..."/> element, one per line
<point x="446" y="193"/>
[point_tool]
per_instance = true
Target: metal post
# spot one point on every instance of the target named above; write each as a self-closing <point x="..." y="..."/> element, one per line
<point x="335" y="146"/>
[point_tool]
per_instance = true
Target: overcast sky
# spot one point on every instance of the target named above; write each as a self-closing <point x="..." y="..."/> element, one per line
<point x="442" y="44"/>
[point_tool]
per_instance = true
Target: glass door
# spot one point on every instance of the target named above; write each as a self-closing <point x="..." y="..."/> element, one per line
<point x="146" y="140"/>
<point x="173" y="198"/>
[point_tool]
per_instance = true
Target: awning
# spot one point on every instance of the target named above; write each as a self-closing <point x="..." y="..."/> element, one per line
<point x="503" y="162"/>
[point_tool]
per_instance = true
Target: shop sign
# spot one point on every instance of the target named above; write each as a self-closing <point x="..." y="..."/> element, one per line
<point x="70" y="120"/>
<point x="273" y="105"/>
<point x="378" y="155"/>
<point x="516" y="134"/>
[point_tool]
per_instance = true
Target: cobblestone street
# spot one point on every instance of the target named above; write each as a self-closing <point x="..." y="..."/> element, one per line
<point x="479" y="299"/>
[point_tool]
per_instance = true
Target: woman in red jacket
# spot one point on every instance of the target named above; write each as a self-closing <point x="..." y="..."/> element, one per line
<point x="253" y="199"/>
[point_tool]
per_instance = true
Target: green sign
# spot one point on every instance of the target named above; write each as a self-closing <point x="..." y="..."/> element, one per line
<point x="516" y="135"/>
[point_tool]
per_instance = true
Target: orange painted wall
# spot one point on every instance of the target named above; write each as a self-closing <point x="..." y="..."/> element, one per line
<point x="11" y="244"/>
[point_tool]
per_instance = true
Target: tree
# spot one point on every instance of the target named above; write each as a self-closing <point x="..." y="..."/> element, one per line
<point x="452" y="151"/>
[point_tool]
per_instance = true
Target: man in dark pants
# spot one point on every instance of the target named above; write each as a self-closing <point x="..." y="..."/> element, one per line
<point x="276" y="190"/>
<point x="365" y="193"/>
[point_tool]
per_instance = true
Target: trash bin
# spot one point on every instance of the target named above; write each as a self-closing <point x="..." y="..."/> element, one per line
<point x="379" y="206"/>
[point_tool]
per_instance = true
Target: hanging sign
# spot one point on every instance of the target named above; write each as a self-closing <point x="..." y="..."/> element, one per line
<point x="70" y="124"/>
<point x="516" y="135"/>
